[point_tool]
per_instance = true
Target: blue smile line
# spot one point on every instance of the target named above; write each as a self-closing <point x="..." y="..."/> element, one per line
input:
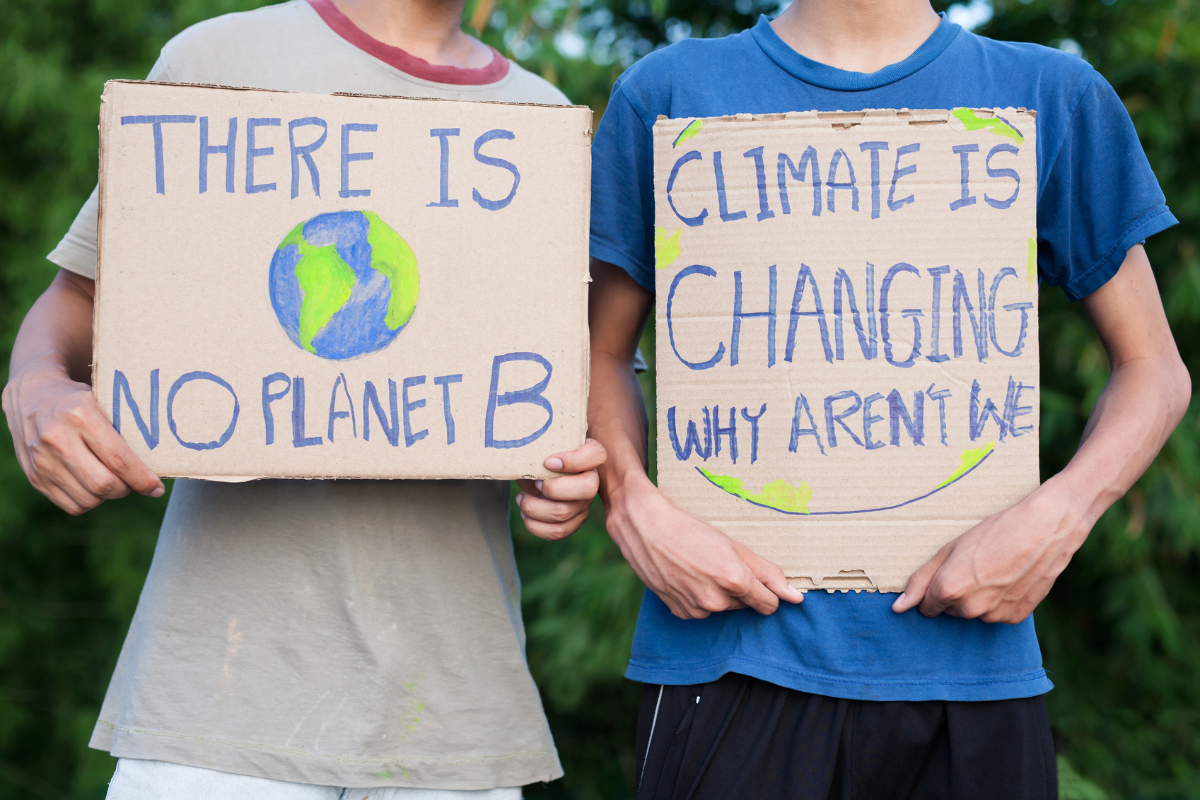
<point x="859" y="511"/>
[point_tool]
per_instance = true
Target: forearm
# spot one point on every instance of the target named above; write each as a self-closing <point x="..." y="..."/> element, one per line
<point x="57" y="331"/>
<point x="1140" y="406"/>
<point x="618" y="308"/>
<point x="1146" y="395"/>
<point x="617" y="419"/>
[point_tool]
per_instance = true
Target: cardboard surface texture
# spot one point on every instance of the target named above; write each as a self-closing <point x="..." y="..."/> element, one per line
<point x="297" y="285"/>
<point x="847" y="331"/>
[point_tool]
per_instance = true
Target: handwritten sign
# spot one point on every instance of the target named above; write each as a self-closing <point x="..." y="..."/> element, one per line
<point x="847" y="331"/>
<point x="308" y="285"/>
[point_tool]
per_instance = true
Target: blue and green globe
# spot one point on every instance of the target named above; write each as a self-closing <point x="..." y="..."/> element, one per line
<point x="343" y="284"/>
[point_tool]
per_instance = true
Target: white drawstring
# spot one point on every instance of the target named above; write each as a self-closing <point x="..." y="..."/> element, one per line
<point x="650" y="739"/>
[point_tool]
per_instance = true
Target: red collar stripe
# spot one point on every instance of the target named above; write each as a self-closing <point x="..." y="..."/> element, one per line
<point x="404" y="61"/>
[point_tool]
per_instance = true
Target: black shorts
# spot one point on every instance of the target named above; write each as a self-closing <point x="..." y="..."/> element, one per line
<point x="740" y="737"/>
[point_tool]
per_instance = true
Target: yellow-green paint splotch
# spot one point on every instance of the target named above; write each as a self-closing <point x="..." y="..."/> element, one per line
<point x="690" y="132"/>
<point x="779" y="495"/>
<point x="969" y="459"/>
<point x="666" y="248"/>
<point x="1031" y="265"/>
<point x="973" y="122"/>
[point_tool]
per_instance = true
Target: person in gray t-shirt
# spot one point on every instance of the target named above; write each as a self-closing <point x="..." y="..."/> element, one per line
<point x="295" y="637"/>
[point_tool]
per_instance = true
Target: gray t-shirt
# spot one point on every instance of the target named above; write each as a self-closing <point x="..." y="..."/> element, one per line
<point x="345" y="633"/>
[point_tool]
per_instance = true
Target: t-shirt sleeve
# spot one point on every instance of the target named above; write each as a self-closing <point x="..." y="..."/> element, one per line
<point x="76" y="251"/>
<point x="1100" y="197"/>
<point x="623" y="190"/>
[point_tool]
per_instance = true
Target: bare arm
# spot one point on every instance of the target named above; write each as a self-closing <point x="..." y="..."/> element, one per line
<point x="57" y="331"/>
<point x="1146" y="395"/>
<point x="692" y="566"/>
<point x="617" y="311"/>
<point x="64" y="443"/>
<point x="1002" y="568"/>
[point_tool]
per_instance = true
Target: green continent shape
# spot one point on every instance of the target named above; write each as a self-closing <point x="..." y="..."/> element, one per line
<point x="666" y="248"/>
<point x="326" y="281"/>
<point x="392" y="256"/>
<point x="779" y="495"/>
<point x="969" y="459"/>
<point x="690" y="132"/>
<point x="973" y="122"/>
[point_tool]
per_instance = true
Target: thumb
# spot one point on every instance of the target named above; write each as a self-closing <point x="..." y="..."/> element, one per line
<point x="918" y="582"/>
<point x="590" y="455"/>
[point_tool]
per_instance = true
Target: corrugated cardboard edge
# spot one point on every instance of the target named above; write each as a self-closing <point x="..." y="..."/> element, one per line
<point x="586" y="261"/>
<point x="856" y="580"/>
<point x="847" y="580"/>
<point x="248" y="478"/>
<point x="336" y="94"/>
<point x="850" y="119"/>
<point x="102" y="125"/>
<point x="106" y="111"/>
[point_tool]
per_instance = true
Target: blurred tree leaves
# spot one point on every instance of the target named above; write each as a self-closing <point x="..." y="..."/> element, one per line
<point x="1121" y="630"/>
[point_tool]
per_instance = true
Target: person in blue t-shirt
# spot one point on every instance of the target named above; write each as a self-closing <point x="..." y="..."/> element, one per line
<point x="855" y="695"/>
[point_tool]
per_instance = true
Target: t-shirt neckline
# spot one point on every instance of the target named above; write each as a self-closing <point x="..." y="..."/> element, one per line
<point x="405" y="61"/>
<point x="828" y="77"/>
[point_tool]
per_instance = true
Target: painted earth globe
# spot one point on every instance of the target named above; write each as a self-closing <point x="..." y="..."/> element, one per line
<point x="343" y="284"/>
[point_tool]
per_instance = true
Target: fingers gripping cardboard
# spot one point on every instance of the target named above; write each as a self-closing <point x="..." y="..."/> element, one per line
<point x="847" y="331"/>
<point x="296" y="285"/>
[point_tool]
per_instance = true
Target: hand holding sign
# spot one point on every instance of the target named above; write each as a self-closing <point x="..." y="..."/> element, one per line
<point x="694" y="568"/>
<point x="64" y="443"/>
<point x="68" y="448"/>
<point x="555" y="508"/>
<point x="1003" y="567"/>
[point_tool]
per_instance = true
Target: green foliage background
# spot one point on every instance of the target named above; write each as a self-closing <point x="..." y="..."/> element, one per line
<point x="1120" y="631"/>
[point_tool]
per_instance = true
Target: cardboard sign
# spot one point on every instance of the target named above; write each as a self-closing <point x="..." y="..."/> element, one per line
<point x="297" y="285"/>
<point x="847" y="331"/>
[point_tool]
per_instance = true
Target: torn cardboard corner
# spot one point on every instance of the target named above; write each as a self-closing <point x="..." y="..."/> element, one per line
<point x="298" y="285"/>
<point x="847" y="331"/>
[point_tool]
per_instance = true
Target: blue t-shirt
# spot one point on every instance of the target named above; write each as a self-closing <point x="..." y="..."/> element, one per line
<point x="1097" y="197"/>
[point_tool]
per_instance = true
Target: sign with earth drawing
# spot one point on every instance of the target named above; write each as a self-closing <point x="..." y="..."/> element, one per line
<point x="847" y="331"/>
<point x="296" y="285"/>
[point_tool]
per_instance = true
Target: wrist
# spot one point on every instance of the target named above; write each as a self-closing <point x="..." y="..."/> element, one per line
<point x="620" y="488"/>
<point x="49" y="365"/>
<point x="1078" y="502"/>
<point x="621" y="481"/>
